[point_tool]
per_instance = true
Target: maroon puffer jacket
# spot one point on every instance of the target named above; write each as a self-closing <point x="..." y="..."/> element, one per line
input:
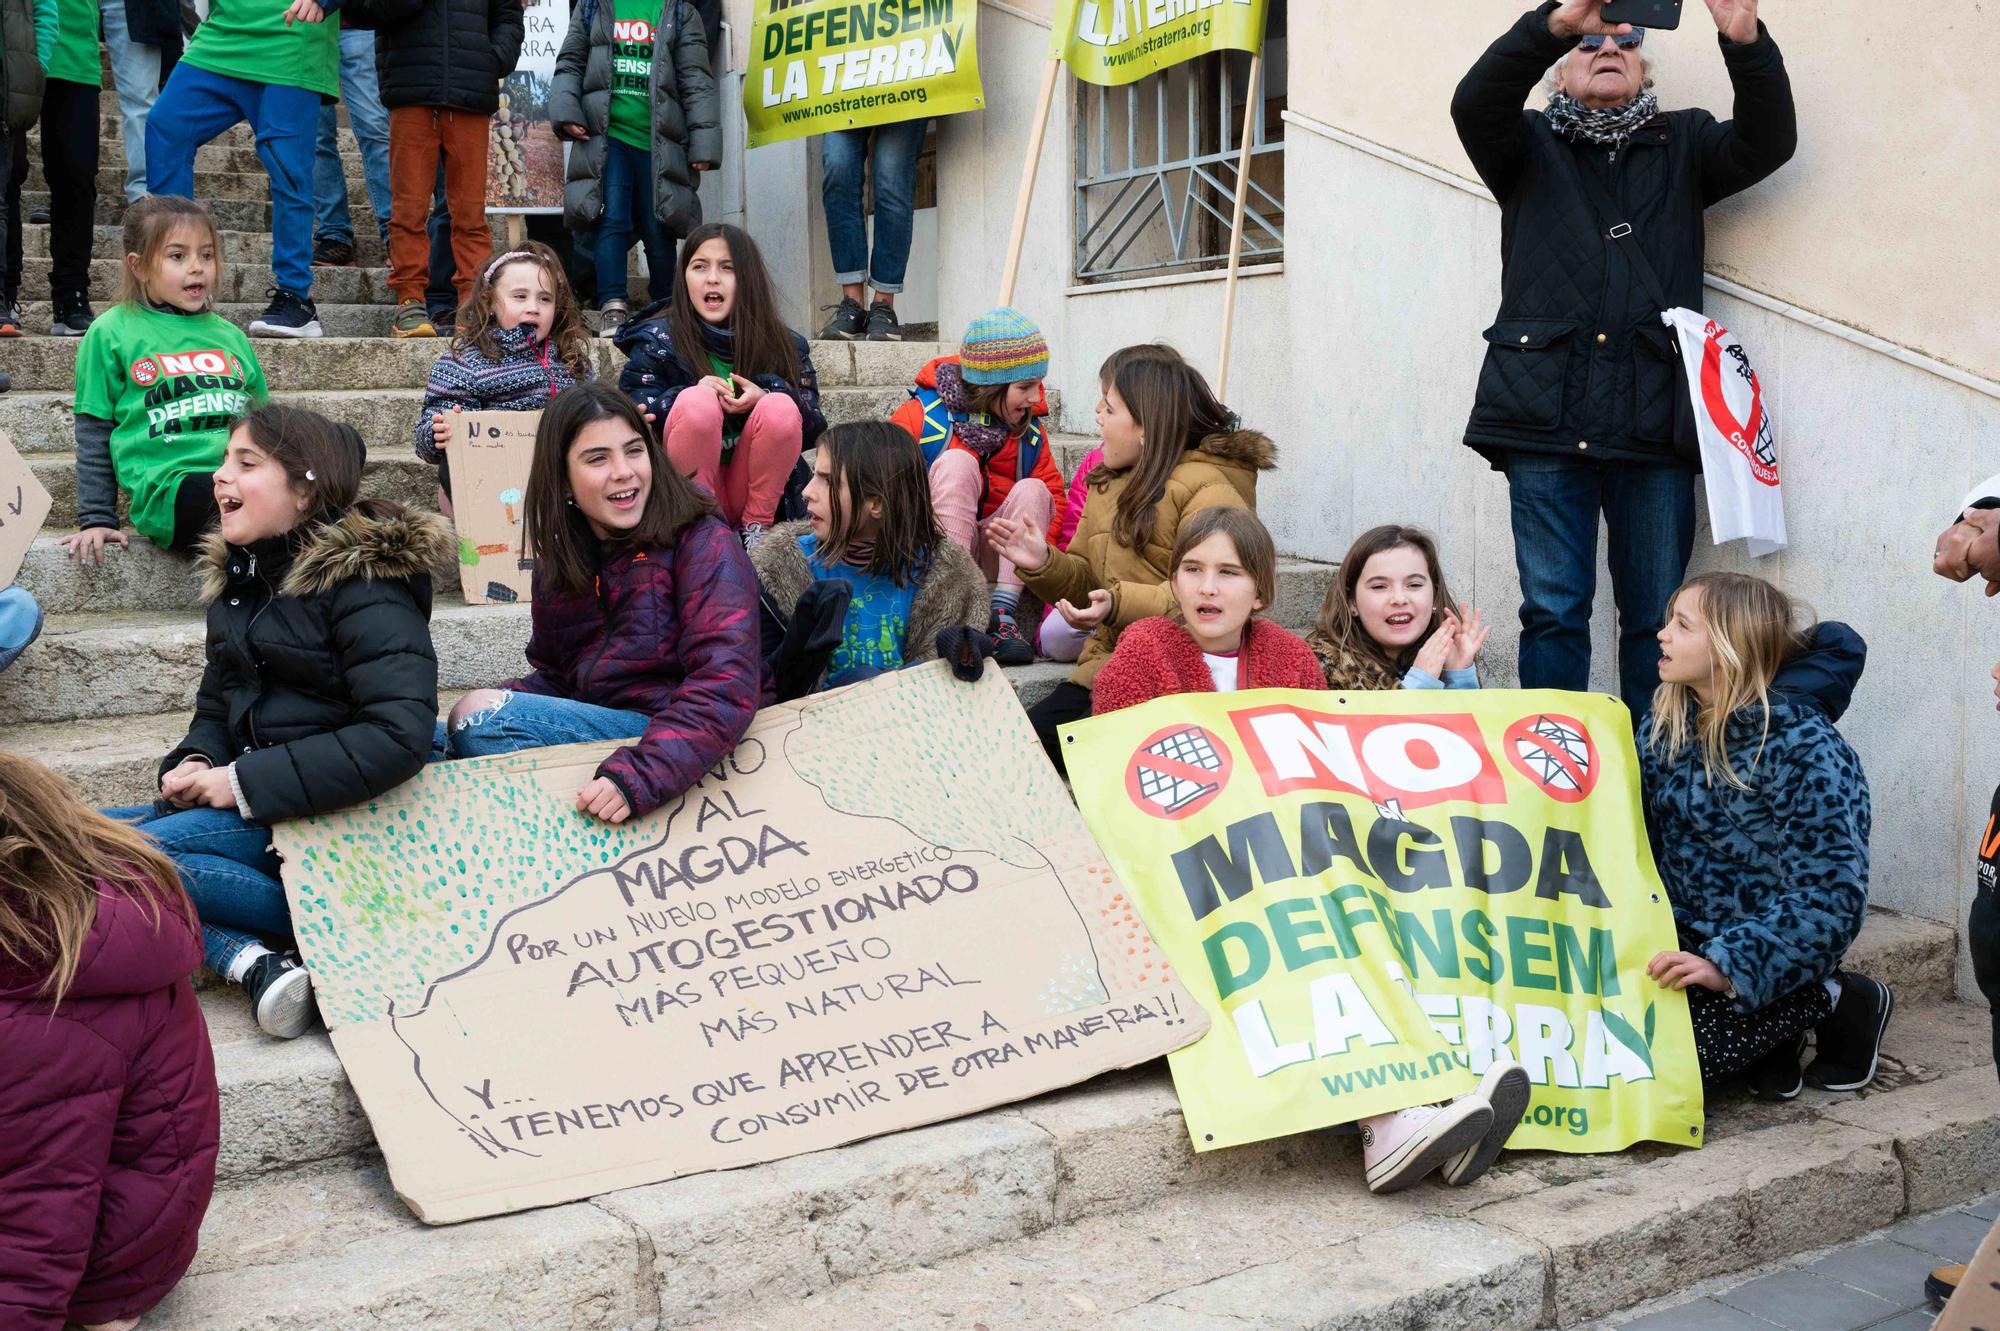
<point x="108" y="1122"/>
<point x="670" y="633"/>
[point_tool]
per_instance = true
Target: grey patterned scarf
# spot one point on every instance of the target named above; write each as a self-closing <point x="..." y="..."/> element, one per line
<point x="1605" y="124"/>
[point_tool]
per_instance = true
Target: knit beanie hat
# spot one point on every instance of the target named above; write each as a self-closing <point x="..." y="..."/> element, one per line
<point x="1003" y="347"/>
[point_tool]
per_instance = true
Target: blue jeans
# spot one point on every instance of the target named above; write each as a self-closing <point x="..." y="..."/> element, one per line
<point x="1649" y="517"/>
<point x="843" y="155"/>
<point x="331" y="219"/>
<point x="534" y="721"/>
<point x="135" y="68"/>
<point x="196" y="105"/>
<point x="230" y="872"/>
<point x="628" y="211"/>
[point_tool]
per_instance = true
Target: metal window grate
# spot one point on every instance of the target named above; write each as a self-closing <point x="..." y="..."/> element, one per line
<point x="1155" y="169"/>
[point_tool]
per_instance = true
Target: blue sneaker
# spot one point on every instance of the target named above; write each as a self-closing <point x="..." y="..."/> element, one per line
<point x="20" y="623"/>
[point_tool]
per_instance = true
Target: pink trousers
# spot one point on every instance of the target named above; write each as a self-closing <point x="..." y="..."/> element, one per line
<point x="956" y="479"/>
<point x="750" y="485"/>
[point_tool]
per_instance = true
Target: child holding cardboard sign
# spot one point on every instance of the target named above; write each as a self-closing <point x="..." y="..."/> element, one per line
<point x="645" y="615"/>
<point x="1225" y="570"/>
<point x="520" y="342"/>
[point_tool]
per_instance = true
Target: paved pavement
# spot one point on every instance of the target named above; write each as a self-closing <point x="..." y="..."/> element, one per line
<point x="1873" y="1284"/>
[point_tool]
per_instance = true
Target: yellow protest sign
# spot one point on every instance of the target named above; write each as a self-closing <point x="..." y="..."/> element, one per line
<point x="1374" y="895"/>
<point x="1112" y="42"/>
<point x="819" y="65"/>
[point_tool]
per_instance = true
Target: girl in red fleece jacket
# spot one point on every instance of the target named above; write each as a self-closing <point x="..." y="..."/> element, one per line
<point x="108" y="1107"/>
<point x="1225" y="571"/>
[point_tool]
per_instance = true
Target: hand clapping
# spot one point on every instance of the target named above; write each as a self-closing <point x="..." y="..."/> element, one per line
<point x="1454" y="645"/>
<point x="1021" y="541"/>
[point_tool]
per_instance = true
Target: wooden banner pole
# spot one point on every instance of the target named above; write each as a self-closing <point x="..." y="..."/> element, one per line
<point x="1028" y="170"/>
<point x="1253" y="108"/>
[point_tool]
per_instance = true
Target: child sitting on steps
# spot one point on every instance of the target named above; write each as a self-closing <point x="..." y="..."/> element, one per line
<point x="320" y="690"/>
<point x="869" y="581"/>
<point x="1389" y="621"/>
<point x="978" y="418"/>
<point x="1225" y="570"/>
<point x="521" y="341"/>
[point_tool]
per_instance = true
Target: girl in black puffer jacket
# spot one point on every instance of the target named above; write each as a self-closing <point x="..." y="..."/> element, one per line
<point x="320" y="689"/>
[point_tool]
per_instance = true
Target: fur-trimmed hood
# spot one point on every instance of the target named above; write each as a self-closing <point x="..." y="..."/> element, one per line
<point x="1250" y="449"/>
<point x="372" y="541"/>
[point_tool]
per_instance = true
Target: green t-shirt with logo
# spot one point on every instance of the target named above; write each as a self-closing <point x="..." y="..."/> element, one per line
<point x="632" y="74"/>
<point x="170" y="384"/>
<point x="248" y="39"/>
<point x="75" y="56"/>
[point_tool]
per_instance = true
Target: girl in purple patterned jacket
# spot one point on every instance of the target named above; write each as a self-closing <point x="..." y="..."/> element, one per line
<point x="521" y="340"/>
<point x="645" y="615"/>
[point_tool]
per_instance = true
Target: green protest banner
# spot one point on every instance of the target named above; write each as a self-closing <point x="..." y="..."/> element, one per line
<point x="1112" y="42"/>
<point x="819" y="65"/>
<point x="1375" y="895"/>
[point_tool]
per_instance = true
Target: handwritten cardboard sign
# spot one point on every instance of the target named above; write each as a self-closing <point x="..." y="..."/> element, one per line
<point x="880" y="911"/>
<point x="24" y="507"/>
<point x="490" y="454"/>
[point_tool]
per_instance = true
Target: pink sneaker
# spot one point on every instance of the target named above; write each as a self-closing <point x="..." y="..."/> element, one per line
<point x="1506" y="1088"/>
<point x="1399" y="1148"/>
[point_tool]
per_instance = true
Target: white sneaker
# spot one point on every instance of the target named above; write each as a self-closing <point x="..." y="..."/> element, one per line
<point x="1506" y="1088"/>
<point x="1399" y="1148"/>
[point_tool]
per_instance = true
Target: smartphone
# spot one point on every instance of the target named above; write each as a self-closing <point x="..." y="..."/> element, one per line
<point x="1643" y="13"/>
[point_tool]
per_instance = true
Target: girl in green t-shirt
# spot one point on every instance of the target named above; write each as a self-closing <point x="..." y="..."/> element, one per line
<point x="160" y="378"/>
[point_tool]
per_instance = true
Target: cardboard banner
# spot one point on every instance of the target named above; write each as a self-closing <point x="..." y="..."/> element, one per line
<point x="1376" y="894"/>
<point x="880" y="911"/>
<point x="819" y="65"/>
<point x="24" y="507"/>
<point x="1976" y="1305"/>
<point x="490" y="457"/>
<point x="525" y="160"/>
<point x="1113" y="42"/>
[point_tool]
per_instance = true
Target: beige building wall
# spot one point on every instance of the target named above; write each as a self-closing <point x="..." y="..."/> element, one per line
<point x="1887" y="220"/>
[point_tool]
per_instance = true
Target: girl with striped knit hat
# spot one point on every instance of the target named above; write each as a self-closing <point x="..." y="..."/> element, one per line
<point x="521" y="340"/>
<point x="978" y="417"/>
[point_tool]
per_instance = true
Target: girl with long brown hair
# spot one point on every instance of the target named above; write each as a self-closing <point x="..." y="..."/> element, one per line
<point x="731" y="389"/>
<point x="160" y="377"/>
<point x="521" y="340"/>
<point x="868" y="581"/>
<point x="108" y="1106"/>
<point x="1170" y="451"/>
<point x="1759" y="817"/>
<point x="645" y="615"/>
<point x="1389" y="621"/>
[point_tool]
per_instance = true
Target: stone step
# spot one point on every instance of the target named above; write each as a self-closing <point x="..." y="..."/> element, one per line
<point x="135" y="663"/>
<point x="238" y="283"/>
<point x="1082" y="1208"/>
<point x="251" y="213"/>
<point x="48" y="364"/>
<point x="244" y="247"/>
<point x="391" y="473"/>
<point x="335" y="320"/>
<point x="234" y="151"/>
<point x="248" y="181"/>
<point x="145" y="656"/>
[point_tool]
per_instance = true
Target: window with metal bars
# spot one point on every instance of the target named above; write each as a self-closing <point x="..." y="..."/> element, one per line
<point x="1156" y="163"/>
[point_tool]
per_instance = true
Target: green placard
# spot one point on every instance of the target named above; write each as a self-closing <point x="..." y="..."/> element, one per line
<point x="819" y="65"/>
<point x="1112" y="42"/>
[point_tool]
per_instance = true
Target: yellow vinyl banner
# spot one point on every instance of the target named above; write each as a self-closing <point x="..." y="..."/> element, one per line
<point x="1376" y="895"/>
<point x="819" y="65"/>
<point x="1112" y="42"/>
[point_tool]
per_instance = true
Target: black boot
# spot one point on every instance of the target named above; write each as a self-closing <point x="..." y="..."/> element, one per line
<point x="1850" y="1040"/>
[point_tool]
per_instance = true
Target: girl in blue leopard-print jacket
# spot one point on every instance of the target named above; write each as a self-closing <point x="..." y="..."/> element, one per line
<point x="1758" y="814"/>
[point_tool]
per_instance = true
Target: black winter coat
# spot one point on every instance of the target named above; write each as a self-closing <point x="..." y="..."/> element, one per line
<point x="450" y="53"/>
<point x="654" y="373"/>
<point x="321" y="684"/>
<point x="20" y="69"/>
<point x="1577" y="361"/>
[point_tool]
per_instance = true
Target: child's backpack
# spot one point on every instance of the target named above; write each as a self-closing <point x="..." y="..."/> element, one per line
<point x="941" y="422"/>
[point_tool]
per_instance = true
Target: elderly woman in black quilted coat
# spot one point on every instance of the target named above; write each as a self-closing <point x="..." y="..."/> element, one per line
<point x="1579" y="399"/>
